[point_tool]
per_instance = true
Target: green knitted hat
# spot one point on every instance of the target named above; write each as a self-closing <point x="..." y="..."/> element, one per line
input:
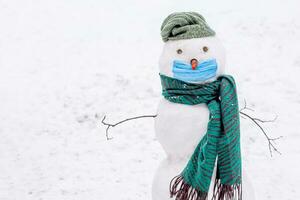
<point x="185" y="25"/>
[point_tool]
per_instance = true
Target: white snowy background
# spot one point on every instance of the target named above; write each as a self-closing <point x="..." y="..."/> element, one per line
<point x="64" y="64"/>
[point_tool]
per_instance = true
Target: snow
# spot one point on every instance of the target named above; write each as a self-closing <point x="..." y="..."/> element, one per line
<point x="65" y="64"/>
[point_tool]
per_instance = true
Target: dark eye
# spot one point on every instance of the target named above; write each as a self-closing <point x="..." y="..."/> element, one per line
<point x="205" y="48"/>
<point x="179" y="51"/>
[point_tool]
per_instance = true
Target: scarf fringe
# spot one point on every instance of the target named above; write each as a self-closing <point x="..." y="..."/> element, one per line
<point x="183" y="191"/>
<point x="227" y="192"/>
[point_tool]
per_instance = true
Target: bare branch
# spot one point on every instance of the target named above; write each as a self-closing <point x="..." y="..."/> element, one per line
<point x="120" y="122"/>
<point x="245" y="106"/>
<point x="265" y="121"/>
<point x="271" y="141"/>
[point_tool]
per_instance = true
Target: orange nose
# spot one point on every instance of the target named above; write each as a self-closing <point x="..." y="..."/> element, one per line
<point x="194" y="63"/>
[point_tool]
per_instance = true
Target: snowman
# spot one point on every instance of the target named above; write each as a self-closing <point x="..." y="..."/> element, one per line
<point x="193" y="123"/>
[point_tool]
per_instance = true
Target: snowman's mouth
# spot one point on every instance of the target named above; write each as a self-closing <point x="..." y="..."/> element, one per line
<point x="194" y="73"/>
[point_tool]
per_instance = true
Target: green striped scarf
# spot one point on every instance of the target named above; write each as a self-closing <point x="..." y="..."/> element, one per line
<point x="221" y="141"/>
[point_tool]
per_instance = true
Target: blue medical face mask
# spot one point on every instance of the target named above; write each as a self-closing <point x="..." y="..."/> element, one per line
<point x="204" y="71"/>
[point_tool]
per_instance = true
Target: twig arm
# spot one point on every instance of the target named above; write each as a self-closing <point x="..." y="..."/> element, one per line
<point x="256" y="121"/>
<point x="122" y="121"/>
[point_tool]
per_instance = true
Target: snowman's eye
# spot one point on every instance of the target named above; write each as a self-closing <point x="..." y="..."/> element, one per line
<point x="179" y="51"/>
<point x="205" y="49"/>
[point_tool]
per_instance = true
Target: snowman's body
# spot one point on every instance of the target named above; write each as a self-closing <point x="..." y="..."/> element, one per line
<point x="179" y="127"/>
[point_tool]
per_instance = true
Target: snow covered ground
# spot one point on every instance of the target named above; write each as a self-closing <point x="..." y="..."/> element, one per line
<point x="65" y="64"/>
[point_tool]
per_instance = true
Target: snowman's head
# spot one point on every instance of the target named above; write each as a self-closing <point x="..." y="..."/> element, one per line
<point x="192" y="52"/>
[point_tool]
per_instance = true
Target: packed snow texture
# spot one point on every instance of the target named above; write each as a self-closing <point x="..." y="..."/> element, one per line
<point x="66" y="64"/>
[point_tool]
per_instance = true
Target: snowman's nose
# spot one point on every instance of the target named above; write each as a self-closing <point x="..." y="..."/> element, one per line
<point x="194" y="63"/>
